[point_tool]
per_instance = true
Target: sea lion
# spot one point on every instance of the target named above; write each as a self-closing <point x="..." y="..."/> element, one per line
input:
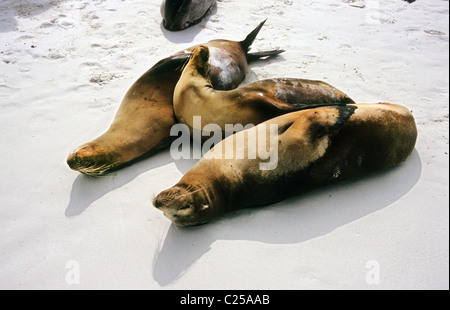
<point x="181" y="14"/>
<point x="316" y="147"/>
<point x="143" y="121"/>
<point x="254" y="103"/>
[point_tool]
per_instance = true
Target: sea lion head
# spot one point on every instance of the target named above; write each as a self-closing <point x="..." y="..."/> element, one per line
<point x="184" y="206"/>
<point x="181" y="14"/>
<point x="175" y="14"/>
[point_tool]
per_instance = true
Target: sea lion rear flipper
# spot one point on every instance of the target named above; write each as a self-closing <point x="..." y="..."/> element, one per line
<point x="249" y="41"/>
<point x="251" y="37"/>
<point x="259" y="55"/>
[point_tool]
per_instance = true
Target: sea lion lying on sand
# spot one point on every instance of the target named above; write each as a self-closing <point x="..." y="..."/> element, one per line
<point x="312" y="147"/>
<point x="254" y="103"/>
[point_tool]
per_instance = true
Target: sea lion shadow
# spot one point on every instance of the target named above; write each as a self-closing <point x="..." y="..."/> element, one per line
<point x="86" y="190"/>
<point x="188" y="35"/>
<point x="293" y="221"/>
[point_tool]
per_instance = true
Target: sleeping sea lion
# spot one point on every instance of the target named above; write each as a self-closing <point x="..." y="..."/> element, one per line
<point x="195" y="96"/>
<point x="313" y="147"/>
<point x="144" y="119"/>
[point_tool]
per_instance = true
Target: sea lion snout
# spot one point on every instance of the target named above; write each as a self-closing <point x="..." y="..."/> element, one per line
<point x="90" y="161"/>
<point x="169" y="199"/>
<point x="183" y="206"/>
<point x="174" y="26"/>
<point x="157" y="203"/>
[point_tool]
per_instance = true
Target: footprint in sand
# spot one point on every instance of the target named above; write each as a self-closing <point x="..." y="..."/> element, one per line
<point x="93" y="20"/>
<point x="61" y="21"/>
<point x="435" y="32"/>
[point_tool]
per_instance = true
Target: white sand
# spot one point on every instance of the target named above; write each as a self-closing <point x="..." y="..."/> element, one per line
<point x="64" y="68"/>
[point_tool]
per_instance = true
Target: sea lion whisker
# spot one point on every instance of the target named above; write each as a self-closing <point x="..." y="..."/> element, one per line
<point x="174" y="197"/>
<point x="183" y="65"/>
<point x="94" y="170"/>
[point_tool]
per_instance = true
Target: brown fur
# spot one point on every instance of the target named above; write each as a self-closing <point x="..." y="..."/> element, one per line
<point x="316" y="147"/>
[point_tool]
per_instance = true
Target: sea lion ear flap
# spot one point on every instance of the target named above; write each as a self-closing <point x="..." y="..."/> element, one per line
<point x="330" y="120"/>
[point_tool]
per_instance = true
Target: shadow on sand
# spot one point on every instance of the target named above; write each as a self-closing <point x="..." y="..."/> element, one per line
<point x="86" y="190"/>
<point x="293" y="221"/>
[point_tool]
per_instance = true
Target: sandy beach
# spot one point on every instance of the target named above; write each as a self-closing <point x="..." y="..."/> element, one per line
<point x="65" y="66"/>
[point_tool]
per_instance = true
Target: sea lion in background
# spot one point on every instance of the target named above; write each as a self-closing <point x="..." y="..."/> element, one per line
<point x="254" y="103"/>
<point x="315" y="147"/>
<point x="181" y="14"/>
<point x="144" y="119"/>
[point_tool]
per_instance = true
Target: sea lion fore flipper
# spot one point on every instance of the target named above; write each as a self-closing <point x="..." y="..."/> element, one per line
<point x="308" y="94"/>
<point x="328" y="120"/>
<point x="345" y="112"/>
<point x="276" y="105"/>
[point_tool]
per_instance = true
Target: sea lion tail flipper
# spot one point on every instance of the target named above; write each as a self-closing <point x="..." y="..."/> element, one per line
<point x="259" y="55"/>
<point x="251" y="37"/>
